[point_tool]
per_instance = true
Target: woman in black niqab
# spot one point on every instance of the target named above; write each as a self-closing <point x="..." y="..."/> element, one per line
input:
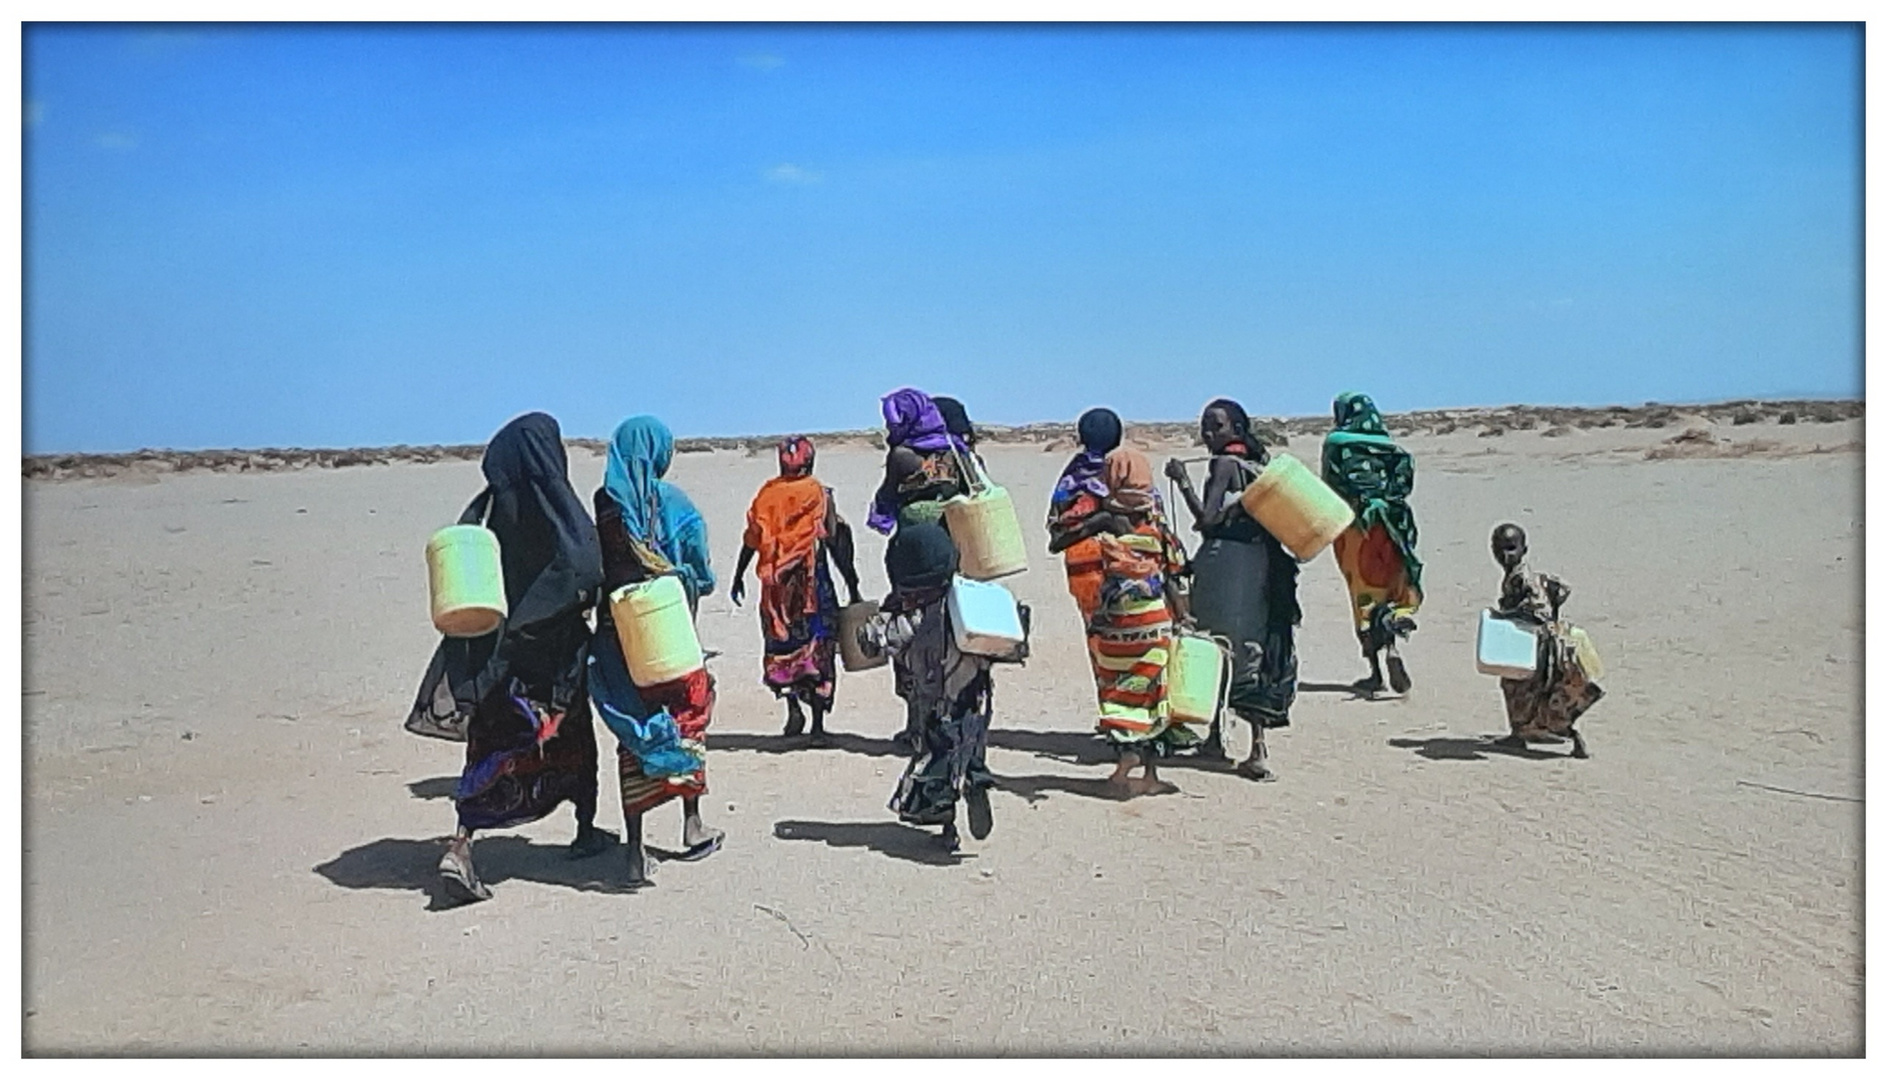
<point x="517" y="696"/>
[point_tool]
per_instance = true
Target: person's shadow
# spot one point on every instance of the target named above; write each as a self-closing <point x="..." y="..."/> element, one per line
<point x="1457" y="748"/>
<point x="1085" y="748"/>
<point x="892" y="838"/>
<point x="434" y="787"/>
<point x="401" y="864"/>
<point x="792" y="744"/>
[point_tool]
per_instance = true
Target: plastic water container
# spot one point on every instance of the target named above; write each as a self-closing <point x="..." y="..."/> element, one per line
<point x="987" y="533"/>
<point x="1586" y="654"/>
<point x="1296" y="506"/>
<point x="1195" y="676"/>
<point x="984" y="617"/>
<point x="467" y="581"/>
<point x="1505" y="647"/>
<point x="657" y="631"/>
<point x="851" y="617"/>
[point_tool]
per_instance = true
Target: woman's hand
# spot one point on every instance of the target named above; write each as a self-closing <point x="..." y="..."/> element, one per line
<point x="1176" y="471"/>
<point x="738" y="592"/>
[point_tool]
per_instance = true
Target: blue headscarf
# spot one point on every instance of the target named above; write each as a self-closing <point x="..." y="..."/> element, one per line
<point x="653" y="510"/>
<point x="639" y="454"/>
<point x="685" y="538"/>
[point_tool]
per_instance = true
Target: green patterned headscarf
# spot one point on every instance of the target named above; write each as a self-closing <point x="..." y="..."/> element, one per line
<point x="1374" y="475"/>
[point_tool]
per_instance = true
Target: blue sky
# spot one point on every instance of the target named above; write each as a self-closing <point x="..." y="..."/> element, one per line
<point x="361" y="235"/>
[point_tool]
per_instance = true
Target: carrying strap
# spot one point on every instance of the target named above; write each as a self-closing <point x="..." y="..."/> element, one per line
<point x="477" y="509"/>
<point x="974" y="477"/>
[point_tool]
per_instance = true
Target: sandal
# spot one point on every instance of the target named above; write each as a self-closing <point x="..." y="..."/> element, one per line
<point x="460" y="880"/>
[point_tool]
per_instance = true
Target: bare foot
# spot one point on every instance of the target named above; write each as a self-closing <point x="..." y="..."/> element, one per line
<point x="1143" y="785"/>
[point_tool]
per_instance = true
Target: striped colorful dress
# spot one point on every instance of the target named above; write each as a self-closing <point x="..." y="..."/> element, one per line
<point x="1130" y="635"/>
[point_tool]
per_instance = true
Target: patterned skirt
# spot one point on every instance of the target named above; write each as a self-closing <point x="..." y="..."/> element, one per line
<point x="689" y="700"/>
<point x="802" y="662"/>
<point x="520" y="764"/>
<point x="1374" y="571"/>
<point x="1557" y="695"/>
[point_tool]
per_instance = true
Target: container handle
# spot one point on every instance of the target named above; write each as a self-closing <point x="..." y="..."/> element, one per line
<point x="974" y="477"/>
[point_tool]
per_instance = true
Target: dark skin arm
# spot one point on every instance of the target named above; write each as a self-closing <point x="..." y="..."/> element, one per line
<point x="1092" y="525"/>
<point x="738" y="591"/>
<point x="1222" y="476"/>
<point x="1556" y="592"/>
<point x="840" y="550"/>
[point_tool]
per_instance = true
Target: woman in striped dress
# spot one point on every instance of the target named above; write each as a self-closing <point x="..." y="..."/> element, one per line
<point x="1132" y="629"/>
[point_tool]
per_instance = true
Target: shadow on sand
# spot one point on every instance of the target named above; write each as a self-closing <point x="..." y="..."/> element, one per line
<point x="414" y="865"/>
<point x="434" y="787"/>
<point x="893" y="838"/>
<point x="791" y="744"/>
<point x="1338" y="688"/>
<point x="1456" y="748"/>
<point x="1081" y="748"/>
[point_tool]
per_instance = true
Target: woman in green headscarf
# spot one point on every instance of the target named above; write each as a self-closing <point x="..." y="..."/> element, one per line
<point x="1377" y="552"/>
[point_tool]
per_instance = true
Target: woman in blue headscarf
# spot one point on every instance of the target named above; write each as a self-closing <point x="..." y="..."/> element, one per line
<point x="647" y="528"/>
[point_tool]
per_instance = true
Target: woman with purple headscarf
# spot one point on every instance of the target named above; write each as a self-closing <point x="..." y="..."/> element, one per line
<point x="923" y="465"/>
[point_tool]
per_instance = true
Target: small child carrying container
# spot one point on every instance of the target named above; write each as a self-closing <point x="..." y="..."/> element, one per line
<point x="1544" y="706"/>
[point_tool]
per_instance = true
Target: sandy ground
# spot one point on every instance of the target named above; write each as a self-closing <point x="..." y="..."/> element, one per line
<point x="230" y="840"/>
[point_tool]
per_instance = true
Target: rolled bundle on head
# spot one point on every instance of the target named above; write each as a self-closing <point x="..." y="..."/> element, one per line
<point x="1129" y="477"/>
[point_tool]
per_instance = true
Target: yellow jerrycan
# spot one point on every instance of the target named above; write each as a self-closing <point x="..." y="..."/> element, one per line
<point x="851" y="617"/>
<point x="1195" y="677"/>
<point x="1586" y="654"/>
<point x="985" y="528"/>
<point x="467" y="581"/>
<point x="1297" y="507"/>
<point x="657" y="631"/>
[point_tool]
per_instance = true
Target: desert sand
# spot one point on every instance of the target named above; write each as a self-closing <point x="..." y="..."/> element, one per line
<point x="230" y="841"/>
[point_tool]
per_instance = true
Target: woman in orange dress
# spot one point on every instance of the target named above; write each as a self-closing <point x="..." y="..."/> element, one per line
<point x="793" y="528"/>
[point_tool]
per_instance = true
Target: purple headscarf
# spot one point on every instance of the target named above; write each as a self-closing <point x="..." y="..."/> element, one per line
<point x="912" y="419"/>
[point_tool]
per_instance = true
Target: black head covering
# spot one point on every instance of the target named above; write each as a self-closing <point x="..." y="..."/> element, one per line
<point x="1099" y="429"/>
<point x="553" y="567"/>
<point x="956" y="419"/>
<point x="552" y="561"/>
<point x="921" y="557"/>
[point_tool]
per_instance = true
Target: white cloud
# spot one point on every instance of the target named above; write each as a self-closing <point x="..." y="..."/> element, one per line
<point x="165" y="41"/>
<point x="115" y="140"/>
<point x="762" y="61"/>
<point x="789" y="173"/>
